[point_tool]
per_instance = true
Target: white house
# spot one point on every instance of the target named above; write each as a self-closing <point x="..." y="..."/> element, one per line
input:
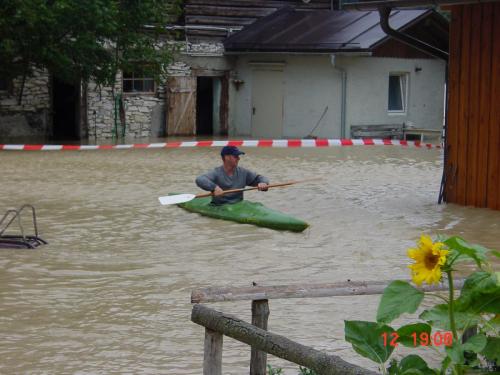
<point x="318" y="73"/>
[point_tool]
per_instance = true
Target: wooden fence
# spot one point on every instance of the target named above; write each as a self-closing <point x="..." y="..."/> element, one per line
<point x="218" y="324"/>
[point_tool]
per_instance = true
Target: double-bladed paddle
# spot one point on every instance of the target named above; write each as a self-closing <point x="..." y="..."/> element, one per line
<point x="182" y="198"/>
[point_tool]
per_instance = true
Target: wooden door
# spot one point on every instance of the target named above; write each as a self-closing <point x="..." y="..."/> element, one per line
<point x="181" y="104"/>
<point x="267" y="104"/>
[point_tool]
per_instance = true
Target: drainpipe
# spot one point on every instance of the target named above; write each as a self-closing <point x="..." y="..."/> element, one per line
<point x="384" y="12"/>
<point x="343" y="77"/>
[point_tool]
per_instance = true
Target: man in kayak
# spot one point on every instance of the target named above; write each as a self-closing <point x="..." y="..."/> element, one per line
<point x="230" y="176"/>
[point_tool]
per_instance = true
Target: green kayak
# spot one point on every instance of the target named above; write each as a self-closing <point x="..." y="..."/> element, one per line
<point x="246" y="212"/>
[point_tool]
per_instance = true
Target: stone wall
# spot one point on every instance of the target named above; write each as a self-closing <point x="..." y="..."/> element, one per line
<point x="31" y="117"/>
<point x="142" y="114"/>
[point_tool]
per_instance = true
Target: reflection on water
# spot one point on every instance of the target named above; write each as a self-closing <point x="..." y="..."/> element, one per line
<point x="110" y="293"/>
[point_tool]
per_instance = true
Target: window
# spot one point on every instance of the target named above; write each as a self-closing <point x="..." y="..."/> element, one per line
<point x="137" y="81"/>
<point x="398" y="84"/>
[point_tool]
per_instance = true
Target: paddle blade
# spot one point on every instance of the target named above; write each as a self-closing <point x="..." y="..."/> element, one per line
<point x="176" y="199"/>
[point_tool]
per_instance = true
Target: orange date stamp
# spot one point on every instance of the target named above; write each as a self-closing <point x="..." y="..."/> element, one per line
<point x="420" y="339"/>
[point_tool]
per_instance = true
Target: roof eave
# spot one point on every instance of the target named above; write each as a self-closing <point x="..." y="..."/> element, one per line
<point x="405" y="4"/>
<point x="326" y="51"/>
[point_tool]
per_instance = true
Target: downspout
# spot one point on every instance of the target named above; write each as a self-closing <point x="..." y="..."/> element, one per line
<point x="384" y="12"/>
<point x="343" y="77"/>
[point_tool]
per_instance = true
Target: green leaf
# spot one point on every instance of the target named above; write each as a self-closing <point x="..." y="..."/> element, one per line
<point x="456" y="353"/>
<point x="475" y="343"/>
<point x="366" y="339"/>
<point x="399" y="297"/>
<point x="464" y="249"/>
<point x="444" y="365"/>
<point x="414" y="362"/>
<point x="405" y="333"/>
<point x="494" y="325"/>
<point x="411" y="365"/>
<point x="492" y="349"/>
<point x="438" y="317"/>
<point x="495" y="253"/>
<point x="480" y="293"/>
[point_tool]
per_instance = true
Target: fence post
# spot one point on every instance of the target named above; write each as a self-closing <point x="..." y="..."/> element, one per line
<point x="212" y="360"/>
<point x="260" y="315"/>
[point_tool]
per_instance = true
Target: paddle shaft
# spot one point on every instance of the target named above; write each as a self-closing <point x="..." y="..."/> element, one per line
<point x="246" y="189"/>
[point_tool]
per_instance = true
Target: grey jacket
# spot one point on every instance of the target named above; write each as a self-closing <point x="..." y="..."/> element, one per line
<point x="241" y="178"/>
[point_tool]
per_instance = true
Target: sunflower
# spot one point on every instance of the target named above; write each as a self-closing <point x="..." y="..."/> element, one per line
<point x="429" y="257"/>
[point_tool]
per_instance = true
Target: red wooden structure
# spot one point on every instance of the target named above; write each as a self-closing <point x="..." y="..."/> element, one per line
<point x="472" y="165"/>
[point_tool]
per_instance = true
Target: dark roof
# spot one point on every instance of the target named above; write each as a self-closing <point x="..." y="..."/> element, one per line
<point x="402" y="4"/>
<point x="289" y="30"/>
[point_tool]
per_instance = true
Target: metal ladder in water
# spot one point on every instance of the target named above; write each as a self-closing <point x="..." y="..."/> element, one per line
<point x="19" y="241"/>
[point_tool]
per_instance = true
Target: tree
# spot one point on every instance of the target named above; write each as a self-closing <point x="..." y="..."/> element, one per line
<point x="84" y="40"/>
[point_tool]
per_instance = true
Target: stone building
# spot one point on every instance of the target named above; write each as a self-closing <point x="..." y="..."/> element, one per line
<point x="210" y="90"/>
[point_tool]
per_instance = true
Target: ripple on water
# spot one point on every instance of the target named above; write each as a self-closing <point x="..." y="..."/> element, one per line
<point x="111" y="291"/>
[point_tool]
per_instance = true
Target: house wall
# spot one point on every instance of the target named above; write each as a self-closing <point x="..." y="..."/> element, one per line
<point x="311" y="83"/>
<point x="368" y="88"/>
<point x="31" y="117"/>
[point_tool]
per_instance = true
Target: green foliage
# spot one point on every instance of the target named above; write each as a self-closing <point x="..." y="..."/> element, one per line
<point x="279" y="371"/>
<point x="410" y="365"/>
<point x="405" y="333"/>
<point x="478" y="307"/>
<point x="399" y="297"/>
<point x="460" y="250"/>
<point x="274" y="371"/>
<point x="83" y="40"/>
<point x="366" y="339"/>
<point x="439" y="317"/>
<point x="306" y="371"/>
<point x="492" y="349"/>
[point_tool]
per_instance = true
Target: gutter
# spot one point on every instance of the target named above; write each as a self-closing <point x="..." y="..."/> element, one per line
<point x="405" y="4"/>
<point x="384" y="12"/>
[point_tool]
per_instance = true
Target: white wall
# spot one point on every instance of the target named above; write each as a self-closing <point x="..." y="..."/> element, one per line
<point x="311" y="83"/>
<point x="368" y="88"/>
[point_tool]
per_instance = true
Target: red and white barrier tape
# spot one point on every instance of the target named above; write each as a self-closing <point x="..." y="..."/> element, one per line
<point x="246" y="143"/>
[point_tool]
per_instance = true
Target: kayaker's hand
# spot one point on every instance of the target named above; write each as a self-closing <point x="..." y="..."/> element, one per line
<point x="218" y="191"/>
<point x="262" y="186"/>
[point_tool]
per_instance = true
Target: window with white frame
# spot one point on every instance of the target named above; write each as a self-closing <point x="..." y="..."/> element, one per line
<point x="138" y="81"/>
<point x="398" y="92"/>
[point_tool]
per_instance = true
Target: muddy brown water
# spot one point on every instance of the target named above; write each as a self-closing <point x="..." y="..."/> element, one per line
<point x="111" y="291"/>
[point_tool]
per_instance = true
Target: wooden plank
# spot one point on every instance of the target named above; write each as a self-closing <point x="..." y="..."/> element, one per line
<point x="349" y="288"/>
<point x="473" y="119"/>
<point x="484" y="103"/>
<point x="181" y="104"/>
<point x="260" y="316"/>
<point x="464" y="106"/>
<point x="212" y="358"/>
<point x="494" y="125"/>
<point x="453" y="105"/>
<point x="274" y="344"/>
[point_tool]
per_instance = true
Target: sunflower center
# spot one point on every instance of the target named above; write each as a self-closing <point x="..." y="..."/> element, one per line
<point x="431" y="261"/>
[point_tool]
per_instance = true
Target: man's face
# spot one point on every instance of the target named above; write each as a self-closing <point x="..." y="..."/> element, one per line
<point x="231" y="160"/>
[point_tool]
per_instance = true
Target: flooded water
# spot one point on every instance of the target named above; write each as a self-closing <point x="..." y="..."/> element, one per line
<point x="111" y="291"/>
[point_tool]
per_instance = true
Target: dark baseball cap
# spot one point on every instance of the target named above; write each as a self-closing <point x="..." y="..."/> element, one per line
<point x="231" y="150"/>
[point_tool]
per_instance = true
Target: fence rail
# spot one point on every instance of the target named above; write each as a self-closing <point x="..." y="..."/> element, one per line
<point x="252" y="293"/>
<point x="218" y="324"/>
